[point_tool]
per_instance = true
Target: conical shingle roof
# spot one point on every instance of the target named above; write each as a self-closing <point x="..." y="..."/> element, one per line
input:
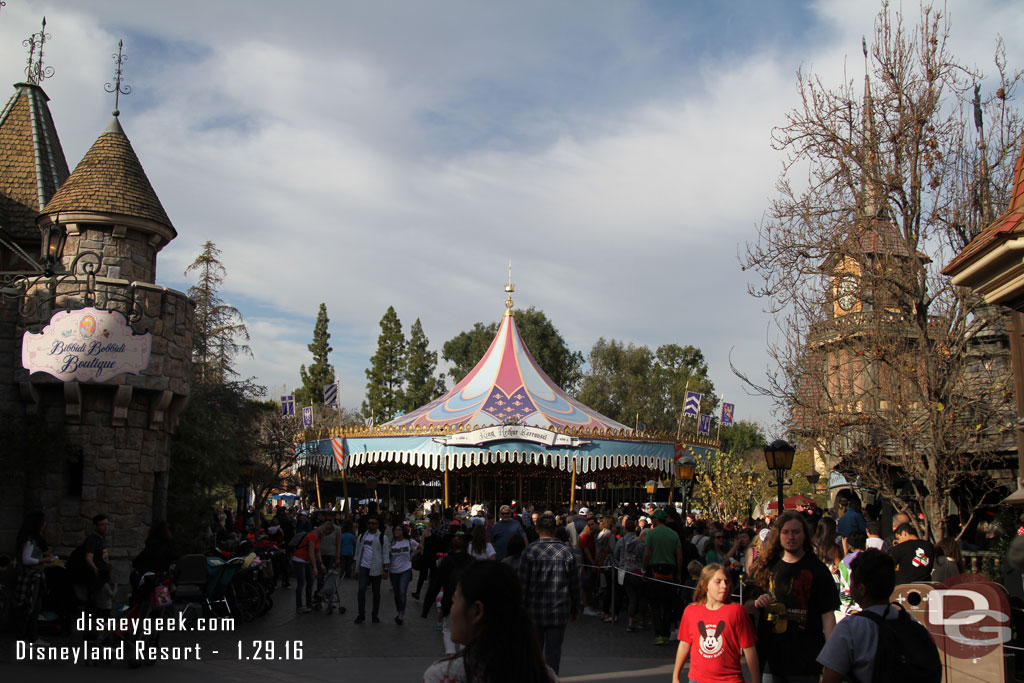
<point x="110" y="179"/>
<point x="32" y="163"/>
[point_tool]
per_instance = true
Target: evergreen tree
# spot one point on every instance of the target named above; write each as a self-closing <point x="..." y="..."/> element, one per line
<point x="386" y="375"/>
<point x="421" y="387"/>
<point x="219" y="333"/>
<point x="320" y="373"/>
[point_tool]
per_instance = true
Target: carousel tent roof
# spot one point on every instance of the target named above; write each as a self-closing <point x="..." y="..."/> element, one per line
<point x="507" y="385"/>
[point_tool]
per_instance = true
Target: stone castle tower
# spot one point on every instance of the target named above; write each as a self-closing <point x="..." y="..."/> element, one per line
<point x="109" y="440"/>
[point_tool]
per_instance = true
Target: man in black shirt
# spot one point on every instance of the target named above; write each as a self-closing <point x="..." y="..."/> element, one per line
<point x="914" y="557"/>
<point x="797" y="602"/>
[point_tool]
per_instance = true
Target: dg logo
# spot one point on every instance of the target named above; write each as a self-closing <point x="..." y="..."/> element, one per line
<point x="968" y="617"/>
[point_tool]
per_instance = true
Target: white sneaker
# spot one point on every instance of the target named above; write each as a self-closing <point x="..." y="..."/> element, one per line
<point x="590" y="612"/>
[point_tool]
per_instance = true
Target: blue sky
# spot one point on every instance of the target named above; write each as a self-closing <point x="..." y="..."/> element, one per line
<point x="401" y="153"/>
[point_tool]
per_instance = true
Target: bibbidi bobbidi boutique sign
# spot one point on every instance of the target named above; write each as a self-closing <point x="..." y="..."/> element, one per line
<point x="88" y="345"/>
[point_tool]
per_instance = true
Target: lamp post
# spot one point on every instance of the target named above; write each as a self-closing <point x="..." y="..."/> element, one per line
<point x="244" y="479"/>
<point x="778" y="456"/>
<point x="684" y="472"/>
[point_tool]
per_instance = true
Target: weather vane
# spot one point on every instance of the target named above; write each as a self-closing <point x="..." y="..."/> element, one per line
<point x="509" y="288"/>
<point x="117" y="87"/>
<point x="35" y="70"/>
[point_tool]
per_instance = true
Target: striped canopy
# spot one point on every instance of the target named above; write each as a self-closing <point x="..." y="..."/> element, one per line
<point x="507" y="385"/>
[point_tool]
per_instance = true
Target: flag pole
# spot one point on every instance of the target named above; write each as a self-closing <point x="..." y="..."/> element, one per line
<point x="679" y="427"/>
<point x="718" y="434"/>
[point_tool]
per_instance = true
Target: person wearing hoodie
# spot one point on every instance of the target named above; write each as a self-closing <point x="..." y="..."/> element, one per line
<point x="372" y="560"/>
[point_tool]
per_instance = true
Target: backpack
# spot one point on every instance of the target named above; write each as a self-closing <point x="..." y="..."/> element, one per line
<point x="906" y="651"/>
<point x="295" y="541"/>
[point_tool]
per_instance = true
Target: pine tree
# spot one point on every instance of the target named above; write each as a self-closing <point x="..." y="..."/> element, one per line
<point x="386" y="375"/>
<point x="421" y="387"/>
<point x="220" y="332"/>
<point x="320" y="373"/>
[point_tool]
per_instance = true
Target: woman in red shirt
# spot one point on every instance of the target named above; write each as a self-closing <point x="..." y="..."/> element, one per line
<point x="714" y="631"/>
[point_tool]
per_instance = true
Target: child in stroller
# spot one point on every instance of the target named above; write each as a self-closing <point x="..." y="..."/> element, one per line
<point x="329" y="592"/>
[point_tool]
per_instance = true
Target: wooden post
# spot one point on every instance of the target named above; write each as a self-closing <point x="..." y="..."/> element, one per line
<point x="344" y="487"/>
<point x="316" y="479"/>
<point x="446" y="483"/>
<point x="572" y="486"/>
<point x="672" y="488"/>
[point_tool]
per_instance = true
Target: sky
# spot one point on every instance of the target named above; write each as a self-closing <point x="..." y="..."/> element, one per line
<point x="401" y="153"/>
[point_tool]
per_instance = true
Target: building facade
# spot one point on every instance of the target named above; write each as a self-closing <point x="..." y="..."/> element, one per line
<point x="74" y="448"/>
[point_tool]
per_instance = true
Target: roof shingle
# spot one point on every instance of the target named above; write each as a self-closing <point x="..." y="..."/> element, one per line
<point x="110" y="179"/>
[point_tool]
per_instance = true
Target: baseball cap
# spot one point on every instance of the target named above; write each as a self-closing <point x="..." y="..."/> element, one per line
<point x="659" y="514"/>
<point x="763" y="533"/>
<point x="505" y="508"/>
<point x="584" y="510"/>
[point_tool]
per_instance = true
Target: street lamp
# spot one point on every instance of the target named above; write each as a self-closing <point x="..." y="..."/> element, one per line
<point x="684" y="472"/>
<point x="52" y="245"/>
<point x="778" y="456"/>
<point x="651" y="486"/>
<point x="244" y="479"/>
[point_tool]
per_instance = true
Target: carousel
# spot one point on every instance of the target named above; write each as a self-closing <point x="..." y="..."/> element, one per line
<point x="506" y="431"/>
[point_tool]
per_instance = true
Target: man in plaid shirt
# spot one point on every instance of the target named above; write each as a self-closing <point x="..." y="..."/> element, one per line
<point x="551" y="587"/>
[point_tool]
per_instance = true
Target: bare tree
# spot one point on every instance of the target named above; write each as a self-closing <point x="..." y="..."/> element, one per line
<point x="894" y="376"/>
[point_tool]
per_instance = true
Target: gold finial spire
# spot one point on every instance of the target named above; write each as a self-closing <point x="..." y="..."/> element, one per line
<point x="509" y="288"/>
<point x="35" y="70"/>
<point x="117" y="87"/>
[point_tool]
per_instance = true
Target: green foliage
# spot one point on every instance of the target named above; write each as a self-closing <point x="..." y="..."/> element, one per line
<point x="219" y="333"/>
<point x="726" y="488"/>
<point x="385" y="395"/>
<point x="541" y="337"/>
<point x="215" y="434"/>
<point x="421" y="386"/>
<point x="629" y="383"/>
<point x="321" y="372"/>
<point x="742" y="437"/>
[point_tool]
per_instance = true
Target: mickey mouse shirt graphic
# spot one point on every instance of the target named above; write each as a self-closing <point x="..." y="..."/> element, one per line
<point x="716" y="637"/>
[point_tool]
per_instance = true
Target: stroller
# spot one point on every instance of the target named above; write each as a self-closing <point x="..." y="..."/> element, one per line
<point x="328" y="593"/>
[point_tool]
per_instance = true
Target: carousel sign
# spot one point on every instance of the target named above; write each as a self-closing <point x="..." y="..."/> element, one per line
<point x="88" y="345"/>
<point x="478" y="437"/>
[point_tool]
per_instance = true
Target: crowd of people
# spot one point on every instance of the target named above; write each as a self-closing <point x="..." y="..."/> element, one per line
<point x="503" y="588"/>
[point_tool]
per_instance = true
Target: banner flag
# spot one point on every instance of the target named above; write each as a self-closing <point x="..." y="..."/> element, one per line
<point x="691" y="406"/>
<point x="288" y="405"/>
<point x="705" y="424"/>
<point x="727" y="410"/>
<point x="339" y="452"/>
<point x="307" y="416"/>
<point x="331" y="395"/>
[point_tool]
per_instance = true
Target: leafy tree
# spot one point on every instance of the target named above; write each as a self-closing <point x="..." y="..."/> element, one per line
<point x="385" y="395"/>
<point x="885" y="369"/>
<point x="547" y="346"/>
<point x="726" y="488"/>
<point x="321" y="372"/>
<point x="631" y="383"/>
<point x="421" y="386"/>
<point x="742" y="437"/>
<point x="214" y="435"/>
<point x="219" y="333"/>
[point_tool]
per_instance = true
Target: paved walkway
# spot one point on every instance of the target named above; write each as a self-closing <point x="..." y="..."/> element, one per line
<point x="336" y="649"/>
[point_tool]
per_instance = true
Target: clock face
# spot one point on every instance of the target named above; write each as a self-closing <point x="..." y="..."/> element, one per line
<point x="846" y="292"/>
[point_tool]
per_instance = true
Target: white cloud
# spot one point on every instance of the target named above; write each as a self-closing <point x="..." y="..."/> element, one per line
<point x="368" y="155"/>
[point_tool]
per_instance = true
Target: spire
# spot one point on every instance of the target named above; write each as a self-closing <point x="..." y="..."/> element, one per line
<point x="509" y="289"/>
<point x="117" y="87"/>
<point x="1017" y="194"/>
<point x="35" y="71"/>
<point x="871" y="195"/>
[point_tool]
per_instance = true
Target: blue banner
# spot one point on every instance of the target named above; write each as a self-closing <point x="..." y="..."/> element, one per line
<point x="705" y="424"/>
<point x="691" y="405"/>
<point x="331" y="396"/>
<point x="727" y="410"/>
<point x="288" y="405"/>
<point x="307" y="416"/>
